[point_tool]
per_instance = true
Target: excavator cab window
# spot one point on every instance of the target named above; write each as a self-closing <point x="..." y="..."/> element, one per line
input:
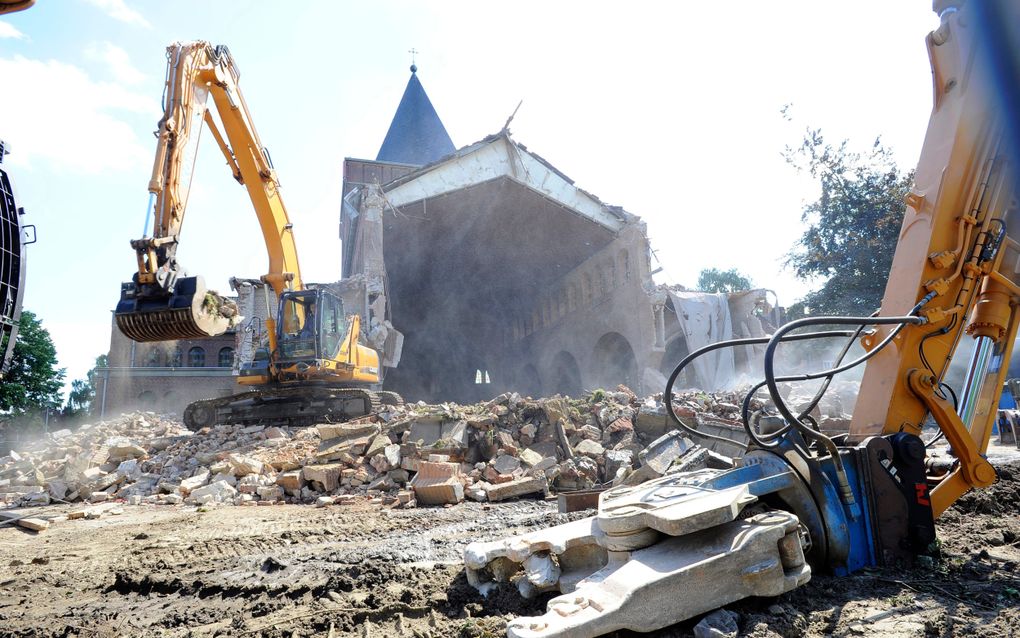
<point x="297" y="325"/>
<point x="332" y="325"/>
<point x="311" y="325"/>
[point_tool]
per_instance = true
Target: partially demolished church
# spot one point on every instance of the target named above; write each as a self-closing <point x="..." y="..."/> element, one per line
<point x="476" y="271"/>
<point x="502" y="274"/>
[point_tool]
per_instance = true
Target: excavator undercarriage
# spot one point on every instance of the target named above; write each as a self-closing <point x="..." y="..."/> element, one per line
<point x="294" y="406"/>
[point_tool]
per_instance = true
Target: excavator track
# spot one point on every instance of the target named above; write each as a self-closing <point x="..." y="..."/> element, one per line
<point x="296" y="407"/>
<point x="391" y="399"/>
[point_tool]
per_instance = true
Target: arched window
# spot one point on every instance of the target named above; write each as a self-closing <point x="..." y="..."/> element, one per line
<point x="625" y="265"/>
<point x="153" y="359"/>
<point x="176" y="357"/>
<point x="196" y="357"/>
<point x="226" y="357"/>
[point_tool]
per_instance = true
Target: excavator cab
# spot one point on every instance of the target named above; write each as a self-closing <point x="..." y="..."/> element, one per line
<point x="310" y="325"/>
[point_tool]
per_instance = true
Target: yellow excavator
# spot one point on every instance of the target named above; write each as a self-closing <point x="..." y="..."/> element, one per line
<point x="800" y="500"/>
<point x="316" y="367"/>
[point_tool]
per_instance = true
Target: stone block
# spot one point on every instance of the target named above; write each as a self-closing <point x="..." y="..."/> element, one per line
<point x="333" y="449"/>
<point x="129" y="469"/>
<point x="425" y="432"/>
<point x="589" y="448"/>
<point x="437" y="483"/>
<point x="291" y="481"/>
<point x="229" y="479"/>
<point x="127" y="451"/>
<point x="270" y="492"/>
<point x="91" y="474"/>
<point x="392" y="454"/>
<point x="198" y="480"/>
<point x="377" y="445"/>
<point x="379" y="463"/>
<point x="517" y="487"/>
<point x="57" y="488"/>
<point x="34" y="524"/>
<point x="622" y="424"/>
<point x="327" y="474"/>
<point x="651" y="421"/>
<point x="456" y="433"/>
<point x="615" y="459"/>
<point x="218" y="492"/>
<point x="249" y="484"/>
<point x="329" y="431"/>
<point x="721" y="623"/>
<point x="493" y="476"/>
<point x="530" y="457"/>
<point x="506" y="464"/>
<point x="661" y="452"/>
<point x="244" y="465"/>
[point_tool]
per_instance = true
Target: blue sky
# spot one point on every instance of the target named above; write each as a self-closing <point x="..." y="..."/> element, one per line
<point x="670" y="110"/>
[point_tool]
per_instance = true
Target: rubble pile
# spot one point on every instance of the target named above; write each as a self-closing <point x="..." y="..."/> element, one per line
<point x="426" y="454"/>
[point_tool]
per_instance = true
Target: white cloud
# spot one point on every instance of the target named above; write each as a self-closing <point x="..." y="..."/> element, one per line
<point x="117" y="60"/>
<point x="66" y="117"/>
<point x="8" y="30"/>
<point x="117" y="10"/>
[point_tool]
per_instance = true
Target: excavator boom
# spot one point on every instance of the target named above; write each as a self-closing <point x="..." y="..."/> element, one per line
<point x="162" y="302"/>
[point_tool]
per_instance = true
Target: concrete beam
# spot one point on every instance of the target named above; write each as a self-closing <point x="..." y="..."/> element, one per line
<point x="496" y="158"/>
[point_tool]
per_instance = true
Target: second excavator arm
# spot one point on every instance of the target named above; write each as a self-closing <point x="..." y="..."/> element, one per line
<point x="800" y="500"/>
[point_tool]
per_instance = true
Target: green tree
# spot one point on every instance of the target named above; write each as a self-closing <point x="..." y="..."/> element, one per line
<point x="83" y="391"/>
<point x="715" y="280"/>
<point x="852" y="228"/>
<point x="33" y="381"/>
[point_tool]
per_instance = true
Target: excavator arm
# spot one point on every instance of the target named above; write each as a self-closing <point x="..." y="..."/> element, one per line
<point x="162" y="302"/>
<point x="958" y="245"/>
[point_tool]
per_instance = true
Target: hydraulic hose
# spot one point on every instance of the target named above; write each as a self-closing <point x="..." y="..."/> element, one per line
<point x="770" y="377"/>
<point x="668" y="395"/>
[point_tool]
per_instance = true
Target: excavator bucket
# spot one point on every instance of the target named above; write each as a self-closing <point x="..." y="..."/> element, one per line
<point x="191" y="312"/>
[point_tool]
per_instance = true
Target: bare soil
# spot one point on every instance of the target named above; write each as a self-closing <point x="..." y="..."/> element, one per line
<point x="289" y="570"/>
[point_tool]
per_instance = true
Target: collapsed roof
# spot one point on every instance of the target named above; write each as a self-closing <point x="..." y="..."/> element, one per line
<point x="469" y="242"/>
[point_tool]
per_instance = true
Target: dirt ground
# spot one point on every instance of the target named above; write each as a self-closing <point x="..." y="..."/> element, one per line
<point x="287" y="571"/>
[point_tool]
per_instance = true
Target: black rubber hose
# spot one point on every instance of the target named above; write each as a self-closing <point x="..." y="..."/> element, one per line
<point x="770" y="350"/>
<point x="746" y="405"/>
<point x="770" y="375"/>
<point x="668" y="396"/>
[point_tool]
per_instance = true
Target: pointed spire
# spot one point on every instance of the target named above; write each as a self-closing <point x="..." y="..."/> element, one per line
<point x="416" y="135"/>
